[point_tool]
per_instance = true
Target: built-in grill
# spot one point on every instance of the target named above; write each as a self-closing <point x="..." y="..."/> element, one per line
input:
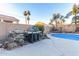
<point x="32" y="35"/>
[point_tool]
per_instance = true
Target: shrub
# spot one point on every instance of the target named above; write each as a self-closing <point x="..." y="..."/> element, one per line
<point x="40" y="26"/>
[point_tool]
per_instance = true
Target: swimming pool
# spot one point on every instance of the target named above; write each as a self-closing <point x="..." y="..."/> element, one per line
<point x="66" y="36"/>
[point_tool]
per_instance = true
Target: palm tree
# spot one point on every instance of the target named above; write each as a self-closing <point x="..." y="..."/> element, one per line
<point x="28" y="18"/>
<point x="74" y="11"/>
<point x="50" y="23"/>
<point x="77" y="19"/>
<point x="62" y="18"/>
<point x="57" y="16"/>
<point x="27" y="14"/>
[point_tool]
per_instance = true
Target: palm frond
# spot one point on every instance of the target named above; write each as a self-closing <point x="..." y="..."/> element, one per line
<point x="68" y="14"/>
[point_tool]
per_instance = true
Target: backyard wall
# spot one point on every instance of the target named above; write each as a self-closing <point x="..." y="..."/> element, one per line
<point x="68" y="28"/>
<point x="47" y="29"/>
<point x="64" y="28"/>
<point x="6" y="27"/>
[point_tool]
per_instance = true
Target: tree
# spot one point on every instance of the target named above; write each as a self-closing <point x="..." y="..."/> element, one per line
<point x="28" y="18"/>
<point x="77" y="19"/>
<point x="40" y="26"/>
<point x="74" y="11"/>
<point x="59" y="20"/>
<point x="50" y="23"/>
<point x="27" y="14"/>
<point x="62" y="18"/>
<point x="55" y="17"/>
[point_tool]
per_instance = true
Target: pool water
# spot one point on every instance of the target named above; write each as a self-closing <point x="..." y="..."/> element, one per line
<point x="66" y="36"/>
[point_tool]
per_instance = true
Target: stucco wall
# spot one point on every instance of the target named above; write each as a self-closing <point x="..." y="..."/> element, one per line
<point x="68" y="28"/>
<point x="63" y="28"/>
<point x="6" y="27"/>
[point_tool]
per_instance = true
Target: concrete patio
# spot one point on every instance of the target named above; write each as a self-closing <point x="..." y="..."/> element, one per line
<point x="47" y="47"/>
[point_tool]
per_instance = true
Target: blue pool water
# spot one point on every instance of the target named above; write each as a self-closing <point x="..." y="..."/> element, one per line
<point x="66" y="36"/>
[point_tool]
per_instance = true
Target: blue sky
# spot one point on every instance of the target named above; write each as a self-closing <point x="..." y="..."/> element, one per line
<point x="39" y="11"/>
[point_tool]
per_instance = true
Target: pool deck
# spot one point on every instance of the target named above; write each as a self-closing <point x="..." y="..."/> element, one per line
<point x="65" y="46"/>
<point x="47" y="47"/>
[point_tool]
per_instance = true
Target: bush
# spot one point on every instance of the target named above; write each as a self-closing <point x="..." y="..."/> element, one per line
<point x="40" y="26"/>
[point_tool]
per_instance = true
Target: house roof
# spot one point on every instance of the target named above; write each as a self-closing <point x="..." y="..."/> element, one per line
<point x="8" y="18"/>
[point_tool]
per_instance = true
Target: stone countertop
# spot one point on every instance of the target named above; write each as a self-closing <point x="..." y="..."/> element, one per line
<point x="33" y="32"/>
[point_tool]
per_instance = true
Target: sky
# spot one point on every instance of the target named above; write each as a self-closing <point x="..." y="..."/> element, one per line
<point x="39" y="11"/>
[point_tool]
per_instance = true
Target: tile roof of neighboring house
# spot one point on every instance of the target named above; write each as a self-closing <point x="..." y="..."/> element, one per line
<point x="8" y="18"/>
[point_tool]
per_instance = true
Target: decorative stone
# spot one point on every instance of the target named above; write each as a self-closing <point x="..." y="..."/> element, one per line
<point x="15" y="39"/>
<point x="10" y="46"/>
<point x="18" y="38"/>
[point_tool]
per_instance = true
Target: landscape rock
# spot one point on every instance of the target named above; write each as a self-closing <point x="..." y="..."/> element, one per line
<point x="11" y="45"/>
<point x="15" y="39"/>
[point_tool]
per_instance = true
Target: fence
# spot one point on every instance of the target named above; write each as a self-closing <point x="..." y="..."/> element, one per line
<point x="69" y="28"/>
<point x="64" y="28"/>
<point x="6" y="27"/>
